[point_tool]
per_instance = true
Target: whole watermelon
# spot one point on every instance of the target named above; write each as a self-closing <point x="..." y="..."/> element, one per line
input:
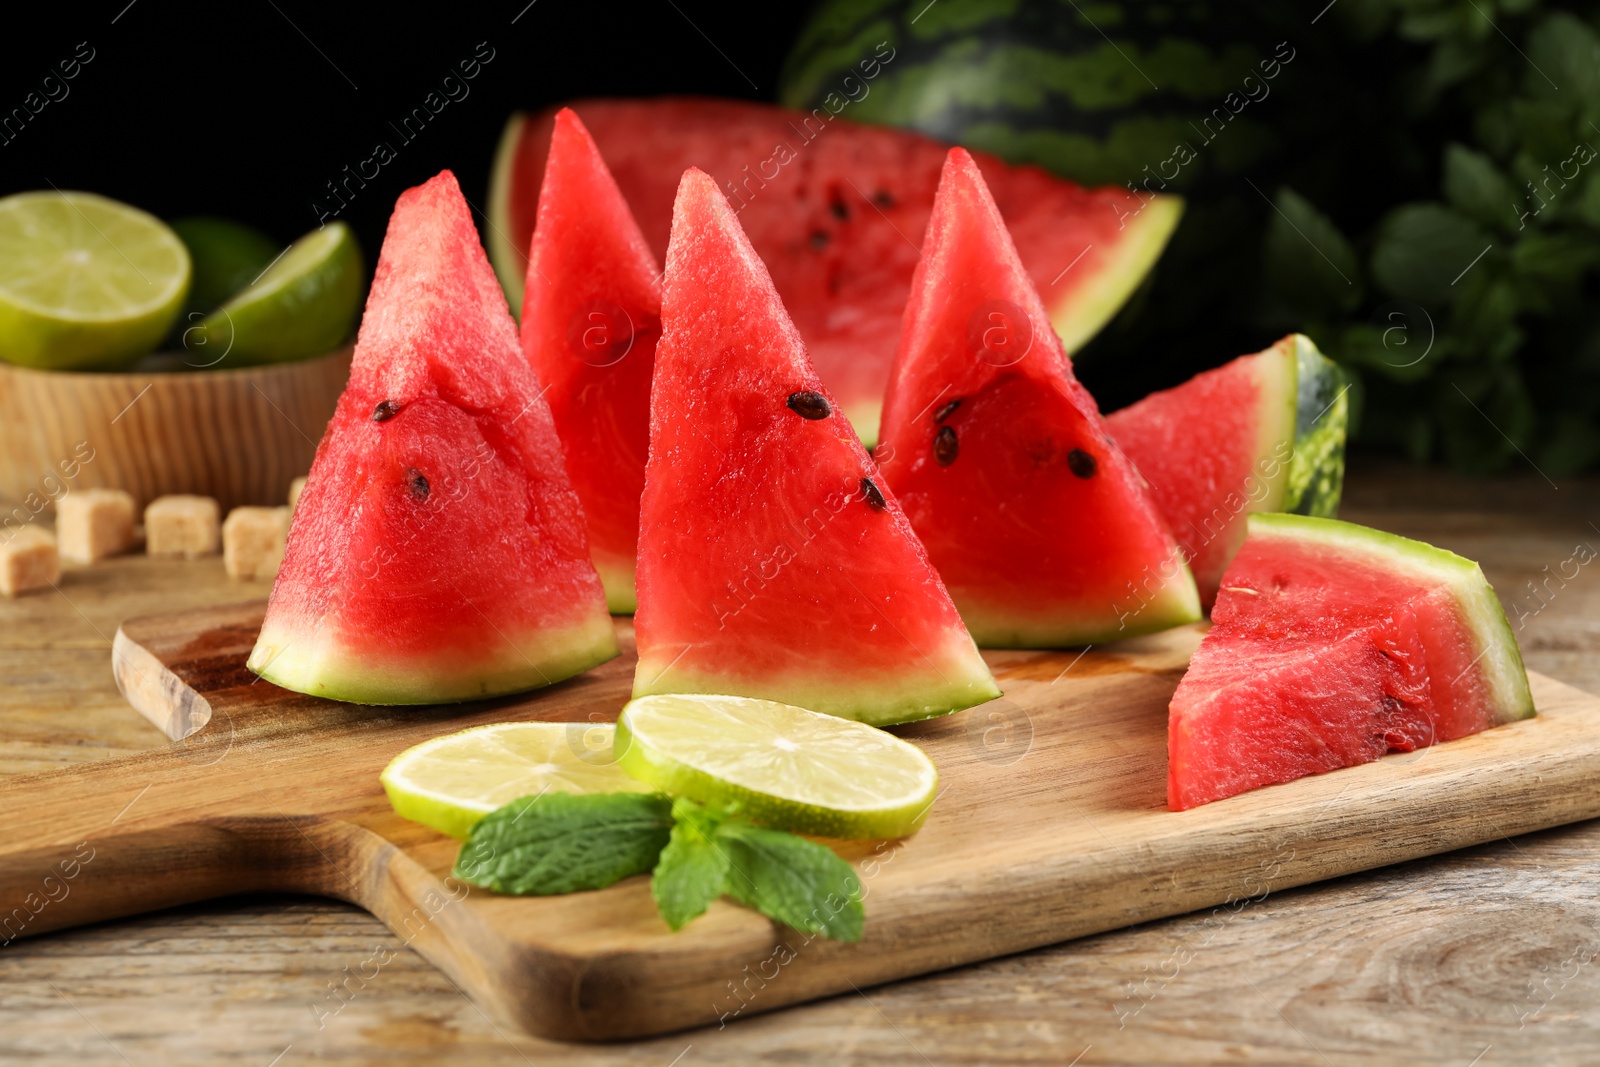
<point x="1100" y="93"/>
<point x="1199" y="98"/>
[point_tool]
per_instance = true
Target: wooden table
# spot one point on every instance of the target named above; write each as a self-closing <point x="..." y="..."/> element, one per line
<point x="1482" y="957"/>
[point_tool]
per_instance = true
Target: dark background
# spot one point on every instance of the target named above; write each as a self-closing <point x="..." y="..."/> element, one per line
<point x="247" y="109"/>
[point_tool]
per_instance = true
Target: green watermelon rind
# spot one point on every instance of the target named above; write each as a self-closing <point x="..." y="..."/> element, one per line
<point x="1501" y="660"/>
<point x="960" y="680"/>
<point x="1316" y="473"/>
<point x="619" y="582"/>
<point x="1176" y="603"/>
<point x="318" y="667"/>
<point x="509" y="263"/>
<point x="1083" y="312"/>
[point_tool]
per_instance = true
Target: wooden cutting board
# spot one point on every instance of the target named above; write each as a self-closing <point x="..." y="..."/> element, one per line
<point x="1051" y="824"/>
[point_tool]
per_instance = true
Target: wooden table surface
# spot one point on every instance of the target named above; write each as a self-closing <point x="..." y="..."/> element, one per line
<point x="1481" y="957"/>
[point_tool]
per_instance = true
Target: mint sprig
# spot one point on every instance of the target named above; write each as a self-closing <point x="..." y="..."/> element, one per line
<point x="797" y="882"/>
<point x="564" y="842"/>
<point x="693" y="868"/>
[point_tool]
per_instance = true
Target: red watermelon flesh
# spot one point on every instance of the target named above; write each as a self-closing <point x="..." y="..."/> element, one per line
<point x="1332" y="644"/>
<point x="835" y="210"/>
<point x="773" y="562"/>
<point x="1213" y="450"/>
<point x="437" y="551"/>
<point x="1038" y="525"/>
<point x="591" y="315"/>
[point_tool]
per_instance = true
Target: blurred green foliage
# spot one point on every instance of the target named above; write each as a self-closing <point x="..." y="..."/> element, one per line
<point x="1472" y="317"/>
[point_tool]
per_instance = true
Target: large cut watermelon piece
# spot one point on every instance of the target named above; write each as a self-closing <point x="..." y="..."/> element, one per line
<point x="590" y="319"/>
<point x="1332" y="644"/>
<point x="834" y="210"/>
<point x="437" y="551"/>
<point x="1038" y="525"/>
<point x="773" y="561"/>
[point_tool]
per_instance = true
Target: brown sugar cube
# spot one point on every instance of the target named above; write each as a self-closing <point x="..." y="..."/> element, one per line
<point x="252" y="542"/>
<point x="93" y="524"/>
<point x="295" y="488"/>
<point x="28" y="561"/>
<point x="179" y="525"/>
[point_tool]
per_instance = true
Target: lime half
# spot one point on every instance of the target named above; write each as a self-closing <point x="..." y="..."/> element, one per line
<point x="227" y="256"/>
<point x="783" y="766"/>
<point x="86" y="283"/>
<point x="301" y="306"/>
<point x="451" y="782"/>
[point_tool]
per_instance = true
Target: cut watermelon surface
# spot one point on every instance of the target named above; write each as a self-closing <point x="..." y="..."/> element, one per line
<point x="1332" y="644"/>
<point x="773" y="561"/>
<point x="437" y="552"/>
<point x="1038" y="525"/>
<point x="590" y="319"/>
<point x="834" y="209"/>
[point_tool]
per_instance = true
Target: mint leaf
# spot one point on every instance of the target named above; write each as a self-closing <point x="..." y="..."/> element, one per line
<point x="563" y="842"/>
<point x="797" y="882"/>
<point x="693" y="868"/>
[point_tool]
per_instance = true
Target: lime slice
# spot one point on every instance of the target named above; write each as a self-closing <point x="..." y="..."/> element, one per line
<point x="783" y="766"/>
<point x="227" y="256"/>
<point x="451" y="782"/>
<point x="85" y="282"/>
<point x="301" y="306"/>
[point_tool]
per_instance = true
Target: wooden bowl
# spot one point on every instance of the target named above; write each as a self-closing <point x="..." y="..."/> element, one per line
<point x="238" y="435"/>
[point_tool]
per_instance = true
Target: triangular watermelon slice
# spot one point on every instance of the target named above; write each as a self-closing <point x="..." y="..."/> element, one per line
<point x="591" y="315"/>
<point x="1037" y="523"/>
<point x="1213" y="450"/>
<point x="437" y="551"/>
<point x="1230" y="442"/>
<point x="1332" y="644"/>
<point x="833" y="208"/>
<point x="773" y="562"/>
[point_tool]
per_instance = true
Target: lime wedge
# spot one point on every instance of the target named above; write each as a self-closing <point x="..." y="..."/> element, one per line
<point x="451" y="782"/>
<point x="301" y="306"/>
<point x="85" y="282"/>
<point x="227" y="256"/>
<point x="780" y="765"/>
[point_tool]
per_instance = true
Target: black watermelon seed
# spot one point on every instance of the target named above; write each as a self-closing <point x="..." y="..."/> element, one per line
<point x="1081" y="463"/>
<point x="819" y="238"/>
<point x="946" y="411"/>
<point x="873" y="497"/>
<point x="810" y="405"/>
<point x="385" y="411"/>
<point x="417" y="484"/>
<point x="945" y="446"/>
<point x="840" y="209"/>
<point x="883" y="199"/>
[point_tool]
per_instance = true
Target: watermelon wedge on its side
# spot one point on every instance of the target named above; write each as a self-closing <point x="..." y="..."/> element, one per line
<point x="834" y="208"/>
<point x="1226" y="443"/>
<point x="773" y="561"/>
<point x="1214" y="449"/>
<point x="1332" y="644"/>
<point x="1038" y="525"/>
<point x="590" y="319"/>
<point x="437" y="552"/>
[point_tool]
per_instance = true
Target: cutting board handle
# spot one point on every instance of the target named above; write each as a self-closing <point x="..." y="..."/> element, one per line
<point x="79" y="847"/>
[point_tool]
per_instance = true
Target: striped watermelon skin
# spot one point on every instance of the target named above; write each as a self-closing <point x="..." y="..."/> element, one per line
<point x="1095" y="93"/>
<point x="835" y="210"/>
